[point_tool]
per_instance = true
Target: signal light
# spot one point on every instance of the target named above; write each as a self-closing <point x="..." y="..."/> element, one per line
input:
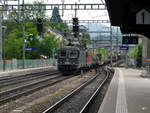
<point x="75" y="21"/>
<point x="75" y="28"/>
<point x="76" y="35"/>
<point x="40" y="25"/>
<point x="75" y="25"/>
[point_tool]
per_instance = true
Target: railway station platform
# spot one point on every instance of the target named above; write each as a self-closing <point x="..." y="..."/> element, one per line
<point x="17" y="72"/>
<point x="127" y="93"/>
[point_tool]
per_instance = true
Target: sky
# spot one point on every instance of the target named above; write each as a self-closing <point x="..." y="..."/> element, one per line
<point x="83" y="15"/>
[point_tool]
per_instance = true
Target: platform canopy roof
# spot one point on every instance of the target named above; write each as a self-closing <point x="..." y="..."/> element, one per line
<point x="133" y="16"/>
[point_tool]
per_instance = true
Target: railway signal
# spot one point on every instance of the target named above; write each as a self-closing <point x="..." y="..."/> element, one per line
<point x="75" y="26"/>
<point x="40" y="25"/>
<point x="75" y="21"/>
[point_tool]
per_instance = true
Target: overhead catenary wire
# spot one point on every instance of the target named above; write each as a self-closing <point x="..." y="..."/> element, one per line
<point x="103" y="2"/>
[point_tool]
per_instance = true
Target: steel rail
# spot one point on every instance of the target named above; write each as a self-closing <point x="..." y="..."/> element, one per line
<point x="3" y="93"/>
<point x="24" y="79"/>
<point x="6" y="79"/>
<point x="59" y="103"/>
<point x="29" y="91"/>
<point x="91" y="100"/>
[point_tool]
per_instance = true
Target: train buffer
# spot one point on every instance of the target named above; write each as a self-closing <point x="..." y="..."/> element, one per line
<point x="128" y="93"/>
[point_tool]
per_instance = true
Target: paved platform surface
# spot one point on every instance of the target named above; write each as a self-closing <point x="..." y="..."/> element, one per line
<point x="127" y="93"/>
<point x="26" y="71"/>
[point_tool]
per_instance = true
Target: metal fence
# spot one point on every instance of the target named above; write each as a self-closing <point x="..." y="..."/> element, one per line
<point x="18" y="64"/>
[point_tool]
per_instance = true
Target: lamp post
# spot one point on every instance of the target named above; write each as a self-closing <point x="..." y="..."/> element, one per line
<point x="1" y="35"/>
<point x="117" y="44"/>
<point x="23" y="36"/>
<point x="111" y="54"/>
<point x="3" y="46"/>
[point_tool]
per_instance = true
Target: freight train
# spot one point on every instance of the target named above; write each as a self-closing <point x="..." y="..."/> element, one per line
<point x="72" y="59"/>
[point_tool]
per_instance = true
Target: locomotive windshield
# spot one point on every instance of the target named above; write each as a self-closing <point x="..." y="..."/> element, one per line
<point x="63" y="54"/>
<point x="68" y="53"/>
<point x="73" y="54"/>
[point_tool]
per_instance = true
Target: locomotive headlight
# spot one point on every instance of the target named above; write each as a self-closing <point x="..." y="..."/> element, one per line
<point x="73" y="63"/>
<point x="67" y="62"/>
<point x="61" y="62"/>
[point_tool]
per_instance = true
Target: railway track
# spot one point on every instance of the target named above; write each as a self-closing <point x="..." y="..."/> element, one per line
<point x="79" y="100"/>
<point x="87" y="106"/>
<point x="17" y="92"/>
<point x="24" y="78"/>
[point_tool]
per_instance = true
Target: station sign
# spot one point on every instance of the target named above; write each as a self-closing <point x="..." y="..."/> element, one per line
<point x="30" y="48"/>
<point x="124" y="47"/>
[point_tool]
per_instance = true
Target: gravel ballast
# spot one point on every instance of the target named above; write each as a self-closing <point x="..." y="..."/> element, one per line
<point x="42" y="99"/>
<point x="77" y="102"/>
<point x="94" y="108"/>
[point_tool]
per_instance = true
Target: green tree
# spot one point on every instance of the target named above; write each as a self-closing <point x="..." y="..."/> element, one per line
<point x="13" y="47"/>
<point x="56" y="21"/>
<point x="49" y="45"/>
<point x="13" y="42"/>
<point x="85" y="39"/>
<point x="13" y="39"/>
<point x="55" y="16"/>
<point x="60" y="27"/>
<point x="103" y="52"/>
<point x="136" y="52"/>
<point x="34" y="11"/>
